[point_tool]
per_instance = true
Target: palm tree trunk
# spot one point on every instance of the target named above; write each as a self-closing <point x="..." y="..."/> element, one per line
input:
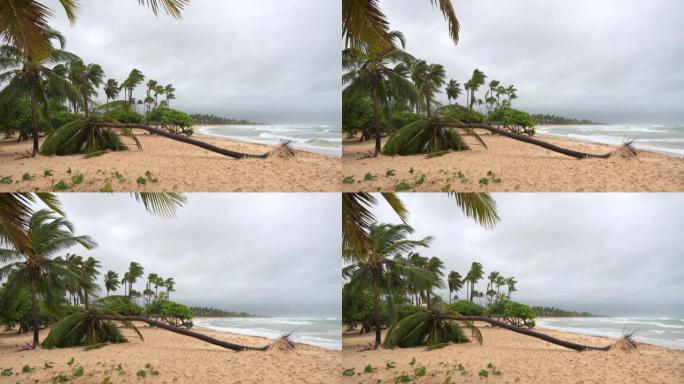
<point x="34" y="122"/>
<point x="185" y="332"/>
<point x="376" y="120"/>
<point x="529" y="140"/>
<point x="376" y="305"/>
<point x="187" y="140"/>
<point x="529" y="332"/>
<point x="34" y="313"/>
<point x="85" y="105"/>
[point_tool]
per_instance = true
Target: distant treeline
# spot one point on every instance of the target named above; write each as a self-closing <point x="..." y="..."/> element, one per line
<point x="557" y="312"/>
<point x="200" y="118"/>
<point x="215" y="312"/>
<point x="542" y="119"/>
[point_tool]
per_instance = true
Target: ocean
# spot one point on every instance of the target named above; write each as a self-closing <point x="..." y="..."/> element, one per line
<point x="321" y="332"/>
<point x="322" y="139"/>
<point x="663" y="331"/>
<point x="664" y="139"/>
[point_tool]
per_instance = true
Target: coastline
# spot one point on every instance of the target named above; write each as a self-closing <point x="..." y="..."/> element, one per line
<point x="177" y="358"/>
<point x="174" y="166"/>
<point x="518" y="167"/>
<point x="519" y="358"/>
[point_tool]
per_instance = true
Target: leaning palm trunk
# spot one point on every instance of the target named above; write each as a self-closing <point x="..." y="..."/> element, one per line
<point x="526" y="139"/>
<point x="187" y="140"/>
<point x="528" y="332"/>
<point x="185" y="332"/>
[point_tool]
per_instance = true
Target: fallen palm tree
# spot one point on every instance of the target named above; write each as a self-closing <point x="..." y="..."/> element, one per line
<point x="434" y="328"/>
<point x="95" y="136"/>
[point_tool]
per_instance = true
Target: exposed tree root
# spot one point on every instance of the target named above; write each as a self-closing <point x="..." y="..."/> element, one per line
<point x="529" y="332"/>
<point x="186" y="332"/>
<point x="526" y="139"/>
<point x="284" y="343"/>
<point x="187" y="140"/>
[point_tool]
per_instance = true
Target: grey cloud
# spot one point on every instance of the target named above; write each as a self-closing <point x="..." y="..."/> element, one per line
<point x="270" y="254"/>
<point x="272" y="61"/>
<point x="614" y="254"/>
<point x="614" y="61"/>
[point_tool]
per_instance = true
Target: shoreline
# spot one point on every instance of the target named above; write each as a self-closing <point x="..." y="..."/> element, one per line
<point x="172" y="166"/>
<point x="200" y="132"/>
<point x="518" y="358"/>
<point x="517" y="167"/>
<point x="174" y="357"/>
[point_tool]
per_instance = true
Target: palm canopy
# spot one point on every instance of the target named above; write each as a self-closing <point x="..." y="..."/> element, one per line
<point x="24" y="23"/>
<point x="364" y="23"/>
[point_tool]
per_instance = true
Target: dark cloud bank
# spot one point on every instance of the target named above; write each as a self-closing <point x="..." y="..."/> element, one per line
<point x="612" y="61"/>
<point x="268" y="254"/>
<point x="612" y="254"/>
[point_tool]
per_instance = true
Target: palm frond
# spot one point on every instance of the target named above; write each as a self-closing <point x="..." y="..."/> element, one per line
<point x="161" y="204"/>
<point x="479" y="206"/>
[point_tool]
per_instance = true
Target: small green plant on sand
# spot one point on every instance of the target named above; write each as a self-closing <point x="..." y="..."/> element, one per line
<point x="106" y="380"/>
<point x="141" y="180"/>
<point x="150" y="368"/>
<point x="119" y="177"/>
<point x="411" y="170"/>
<point x="421" y="180"/>
<point x="403" y="186"/>
<point x="484" y="374"/>
<point x="27" y="369"/>
<point x="493" y="177"/>
<point x="369" y="177"/>
<point x="390" y="173"/>
<point x="348" y="372"/>
<point x="141" y="373"/>
<point x="78" y="372"/>
<point x="7" y="372"/>
<point x="493" y="369"/>
<point x="47" y="173"/>
<point x="390" y="365"/>
<point x="462" y="369"/>
<point x="151" y="177"/>
<point x="6" y="180"/>
<point x="107" y="187"/>
<point x="402" y="379"/>
<point x="71" y="362"/>
<point x="61" y="186"/>
<point x="27" y="177"/>
<point x="48" y="365"/>
<point x="349" y="180"/>
<point x="369" y="369"/>
<point x="484" y="181"/>
<point x="447" y="188"/>
<point x="77" y="179"/>
<point x="419" y="371"/>
<point x="413" y="362"/>
<point x="60" y="379"/>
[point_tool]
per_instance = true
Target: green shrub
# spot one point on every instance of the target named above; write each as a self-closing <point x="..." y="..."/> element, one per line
<point x="170" y="312"/>
<point x="121" y="305"/>
<point x="171" y="120"/>
<point x="124" y="116"/>
<point x="513" y="313"/>
<point x="466" y="308"/>
<point x="514" y="120"/>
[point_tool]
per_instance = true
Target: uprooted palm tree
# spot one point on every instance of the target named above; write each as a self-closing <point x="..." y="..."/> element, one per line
<point x="435" y="328"/>
<point x="96" y="326"/>
<point x="364" y="23"/>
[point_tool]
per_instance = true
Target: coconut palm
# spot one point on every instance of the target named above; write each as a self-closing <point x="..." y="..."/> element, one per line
<point x="111" y="89"/>
<point x="510" y="284"/>
<point x="87" y="79"/>
<point x="475" y="274"/>
<point x="364" y="23"/>
<point x="88" y="273"/>
<point x="475" y="82"/>
<point x="111" y="281"/>
<point x="370" y="73"/>
<point x="493" y="86"/>
<point x="429" y="79"/>
<point x="169" y="284"/>
<point x="134" y="79"/>
<point x="455" y="283"/>
<point x="24" y="23"/>
<point x="169" y="92"/>
<point x="32" y="265"/>
<point x="29" y="77"/>
<point x="135" y="271"/>
<point x="371" y="268"/>
<point x="491" y="281"/>
<point x="428" y="327"/>
<point x="158" y="90"/>
<point x="434" y="266"/>
<point x="453" y="90"/>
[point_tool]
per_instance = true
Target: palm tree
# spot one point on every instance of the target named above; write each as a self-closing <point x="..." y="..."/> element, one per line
<point x="434" y="266"/>
<point x="169" y="91"/>
<point x="38" y="271"/>
<point x="510" y="284"/>
<point x="493" y="86"/>
<point x="29" y="77"/>
<point x="476" y="81"/>
<point x="89" y="272"/>
<point x="492" y="279"/>
<point x="364" y="23"/>
<point x="453" y="90"/>
<point x="111" y="89"/>
<point x="111" y="281"/>
<point x="369" y="74"/>
<point x="475" y="274"/>
<point x="169" y="284"/>
<point x="511" y="92"/>
<point x="371" y="268"/>
<point x="135" y="271"/>
<point x="455" y="282"/>
<point x="87" y="79"/>
<point x="24" y="24"/>
<point x="429" y="78"/>
<point x="134" y="79"/>
<point x="158" y="90"/>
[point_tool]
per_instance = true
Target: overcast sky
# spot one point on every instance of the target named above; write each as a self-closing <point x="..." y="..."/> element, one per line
<point x="270" y="61"/>
<point x="267" y="254"/>
<point x="611" y="254"/>
<point x="608" y="60"/>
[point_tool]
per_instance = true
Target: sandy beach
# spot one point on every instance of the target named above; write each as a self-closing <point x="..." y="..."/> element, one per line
<point x="516" y="167"/>
<point x="173" y="166"/>
<point x="175" y="359"/>
<point x="518" y="358"/>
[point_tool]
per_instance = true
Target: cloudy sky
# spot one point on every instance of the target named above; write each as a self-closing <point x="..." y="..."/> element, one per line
<point x="271" y="61"/>
<point x="610" y="60"/>
<point x="611" y="254"/>
<point x="267" y="254"/>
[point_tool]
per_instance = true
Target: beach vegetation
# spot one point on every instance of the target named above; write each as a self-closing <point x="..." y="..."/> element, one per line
<point x="349" y="372"/>
<point x="169" y="312"/>
<point x="349" y="180"/>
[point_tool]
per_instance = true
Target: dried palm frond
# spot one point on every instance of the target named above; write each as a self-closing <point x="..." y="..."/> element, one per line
<point x="625" y="344"/>
<point x="284" y="343"/>
<point x="626" y="151"/>
<point x="283" y="151"/>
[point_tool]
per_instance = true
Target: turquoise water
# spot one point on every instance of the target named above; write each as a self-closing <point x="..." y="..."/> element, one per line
<point x="323" y="139"/>
<point x="321" y="332"/>
<point x="661" y="138"/>
<point x="663" y="331"/>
